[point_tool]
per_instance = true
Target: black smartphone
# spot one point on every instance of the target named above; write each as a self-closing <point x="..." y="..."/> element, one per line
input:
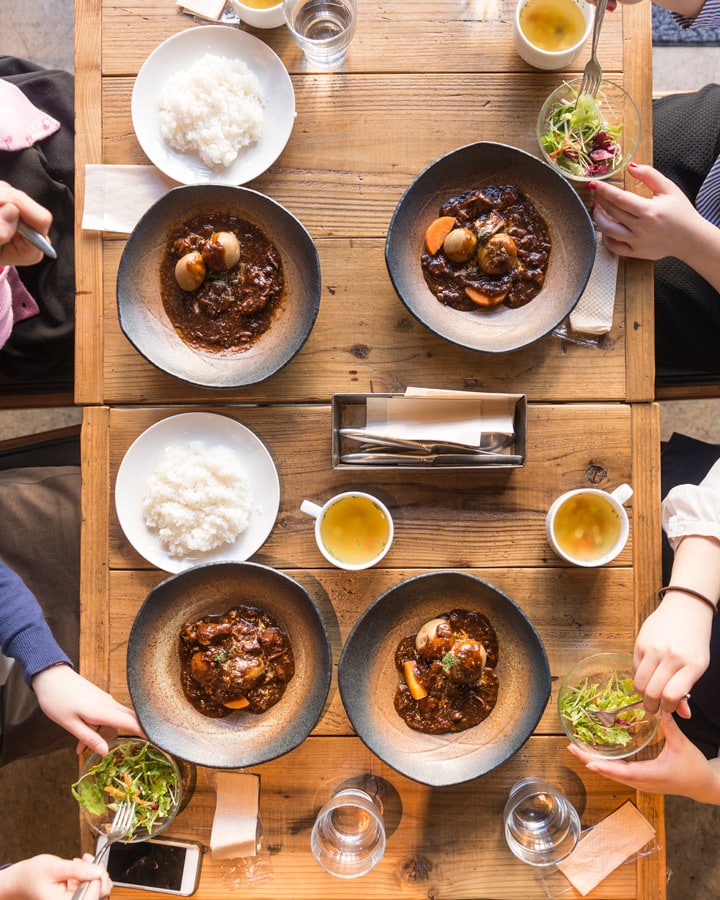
<point x="163" y="866"/>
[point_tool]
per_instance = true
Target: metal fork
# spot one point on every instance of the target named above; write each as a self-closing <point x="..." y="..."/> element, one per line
<point x="121" y="824"/>
<point x="592" y="75"/>
<point x="607" y="716"/>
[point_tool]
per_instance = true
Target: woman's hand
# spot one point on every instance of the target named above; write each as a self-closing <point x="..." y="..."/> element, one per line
<point x="16" y="205"/>
<point x="664" y="224"/>
<point x="80" y="707"/>
<point x="680" y="768"/>
<point x="643" y="227"/>
<point x="47" y="877"/>
<point x="672" y="651"/>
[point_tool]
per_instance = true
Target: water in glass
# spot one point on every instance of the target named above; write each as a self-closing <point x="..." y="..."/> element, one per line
<point x="348" y="838"/>
<point x="322" y="29"/>
<point x="541" y="825"/>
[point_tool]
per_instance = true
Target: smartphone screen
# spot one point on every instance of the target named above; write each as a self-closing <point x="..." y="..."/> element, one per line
<point x="147" y="864"/>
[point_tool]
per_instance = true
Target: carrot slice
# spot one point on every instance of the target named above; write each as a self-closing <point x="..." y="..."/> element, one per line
<point x="417" y="691"/>
<point x="484" y="299"/>
<point x="240" y="703"/>
<point x="437" y="232"/>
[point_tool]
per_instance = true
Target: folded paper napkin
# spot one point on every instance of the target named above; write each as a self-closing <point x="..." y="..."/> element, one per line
<point x="22" y="124"/>
<point x="594" y="311"/>
<point x="116" y="197"/>
<point x="203" y="9"/>
<point x="610" y="843"/>
<point x="425" y="414"/>
<point x="235" y="824"/>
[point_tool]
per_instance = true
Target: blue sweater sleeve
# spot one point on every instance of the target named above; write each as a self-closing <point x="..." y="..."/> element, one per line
<point x="24" y="633"/>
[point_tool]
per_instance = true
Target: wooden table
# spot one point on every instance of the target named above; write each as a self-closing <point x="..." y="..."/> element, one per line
<point x="419" y="82"/>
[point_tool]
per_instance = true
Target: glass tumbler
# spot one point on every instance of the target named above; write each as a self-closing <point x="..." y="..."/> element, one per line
<point x="542" y="827"/>
<point x="323" y="29"/>
<point x="348" y="837"/>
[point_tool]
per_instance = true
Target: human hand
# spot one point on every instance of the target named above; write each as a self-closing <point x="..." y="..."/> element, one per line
<point x="47" y="877"/>
<point x="80" y="707"/>
<point x="14" y="205"/>
<point x="672" y="651"/>
<point x="680" y="768"/>
<point x="689" y="8"/>
<point x="646" y="227"/>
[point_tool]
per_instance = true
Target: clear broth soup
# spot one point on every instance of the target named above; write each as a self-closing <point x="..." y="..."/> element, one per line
<point x="354" y="530"/>
<point x="587" y="527"/>
<point x="552" y="25"/>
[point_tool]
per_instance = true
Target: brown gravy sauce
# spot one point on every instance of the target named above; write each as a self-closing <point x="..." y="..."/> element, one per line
<point x="231" y="309"/>
<point x="451" y="705"/>
<point x="493" y="210"/>
<point x="225" y="660"/>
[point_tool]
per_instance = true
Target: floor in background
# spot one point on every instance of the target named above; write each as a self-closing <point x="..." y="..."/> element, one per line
<point x="42" y="32"/>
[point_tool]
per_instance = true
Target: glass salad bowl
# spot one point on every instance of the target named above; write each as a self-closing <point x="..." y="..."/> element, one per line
<point x="586" y="138"/>
<point x="133" y="769"/>
<point x="604" y="682"/>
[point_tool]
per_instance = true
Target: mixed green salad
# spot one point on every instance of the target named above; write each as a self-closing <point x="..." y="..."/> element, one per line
<point x="578" y="138"/>
<point x="576" y="704"/>
<point x="135" y="771"/>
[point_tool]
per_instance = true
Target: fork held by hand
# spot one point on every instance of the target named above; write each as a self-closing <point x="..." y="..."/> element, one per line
<point x="592" y="75"/>
<point x="121" y="824"/>
<point x="607" y="716"/>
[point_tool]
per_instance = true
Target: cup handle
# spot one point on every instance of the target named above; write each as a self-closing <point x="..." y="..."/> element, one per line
<point x="312" y="509"/>
<point x="622" y="493"/>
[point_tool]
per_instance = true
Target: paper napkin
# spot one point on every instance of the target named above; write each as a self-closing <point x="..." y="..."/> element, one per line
<point x="617" y="838"/>
<point x="204" y="9"/>
<point x="594" y="311"/>
<point x="435" y="415"/>
<point x="235" y="824"/>
<point x="117" y="196"/>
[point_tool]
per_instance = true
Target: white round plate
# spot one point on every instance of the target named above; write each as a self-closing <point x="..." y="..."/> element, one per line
<point x="145" y="453"/>
<point x="177" y="54"/>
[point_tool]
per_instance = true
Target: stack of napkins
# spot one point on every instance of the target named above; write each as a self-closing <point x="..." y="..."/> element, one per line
<point x="418" y="416"/>
<point x="235" y="824"/>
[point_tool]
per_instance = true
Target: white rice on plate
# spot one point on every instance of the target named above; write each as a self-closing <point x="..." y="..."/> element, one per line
<point x="214" y="109"/>
<point x="197" y="498"/>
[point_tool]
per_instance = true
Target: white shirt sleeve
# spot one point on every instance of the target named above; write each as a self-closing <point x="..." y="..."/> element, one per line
<point x="693" y="509"/>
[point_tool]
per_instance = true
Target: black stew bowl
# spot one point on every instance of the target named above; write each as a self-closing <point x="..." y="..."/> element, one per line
<point x="153" y="666"/>
<point x="572" y="254"/>
<point x="140" y="308"/>
<point x="367" y="679"/>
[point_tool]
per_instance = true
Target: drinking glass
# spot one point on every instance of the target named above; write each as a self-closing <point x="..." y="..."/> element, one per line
<point x="322" y="29"/>
<point x="348" y="837"/>
<point x="541" y="825"/>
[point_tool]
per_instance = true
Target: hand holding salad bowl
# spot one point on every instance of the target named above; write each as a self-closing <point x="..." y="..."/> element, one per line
<point x="589" y="138"/>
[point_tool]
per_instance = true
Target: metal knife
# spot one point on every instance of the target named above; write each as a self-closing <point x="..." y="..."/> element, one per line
<point x="491" y="442"/>
<point x="375" y="457"/>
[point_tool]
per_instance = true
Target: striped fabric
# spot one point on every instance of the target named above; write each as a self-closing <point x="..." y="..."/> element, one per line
<point x="707" y="201"/>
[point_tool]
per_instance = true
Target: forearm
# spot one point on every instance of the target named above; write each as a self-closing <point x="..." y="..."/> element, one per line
<point x="24" y="633"/>
<point x="688" y="9"/>
<point x="696" y="565"/>
<point x="699" y="248"/>
<point x="707" y="789"/>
